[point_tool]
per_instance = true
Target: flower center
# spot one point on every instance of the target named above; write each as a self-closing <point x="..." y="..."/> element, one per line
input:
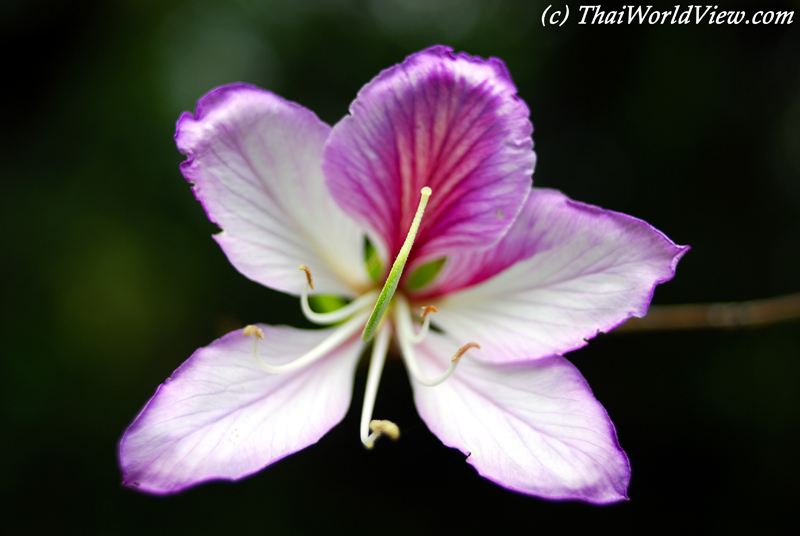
<point x="355" y="315"/>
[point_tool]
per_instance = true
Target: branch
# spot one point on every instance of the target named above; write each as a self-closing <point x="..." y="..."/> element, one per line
<point x="717" y="315"/>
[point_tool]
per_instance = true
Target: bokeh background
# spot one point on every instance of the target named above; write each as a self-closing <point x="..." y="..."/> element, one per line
<point x="109" y="278"/>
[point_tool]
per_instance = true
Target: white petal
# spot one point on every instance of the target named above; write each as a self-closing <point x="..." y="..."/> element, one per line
<point x="533" y="427"/>
<point x="256" y="164"/>
<point x="564" y="272"/>
<point x="221" y="417"/>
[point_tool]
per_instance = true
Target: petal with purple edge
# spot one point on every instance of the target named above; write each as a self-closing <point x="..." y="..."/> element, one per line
<point x="449" y="121"/>
<point x="255" y="162"/>
<point x="563" y="273"/>
<point x="532" y="427"/>
<point x="221" y="417"/>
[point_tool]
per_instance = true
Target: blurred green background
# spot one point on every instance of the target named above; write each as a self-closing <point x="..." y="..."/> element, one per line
<point x="109" y="278"/>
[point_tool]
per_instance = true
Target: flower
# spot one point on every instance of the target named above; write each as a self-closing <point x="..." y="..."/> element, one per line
<point x="436" y="152"/>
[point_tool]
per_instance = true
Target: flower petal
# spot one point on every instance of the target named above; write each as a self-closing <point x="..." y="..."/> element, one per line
<point x="563" y="273"/>
<point x="449" y="121"/>
<point x="221" y="417"/>
<point x="255" y="161"/>
<point x="533" y="427"/>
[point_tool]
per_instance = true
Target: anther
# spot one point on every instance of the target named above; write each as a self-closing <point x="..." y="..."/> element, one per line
<point x="253" y="330"/>
<point x="428" y="309"/>
<point x="390" y="286"/>
<point x="463" y="350"/>
<point x="379" y="428"/>
<point x="308" y="275"/>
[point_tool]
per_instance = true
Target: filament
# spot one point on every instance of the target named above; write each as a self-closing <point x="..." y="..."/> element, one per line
<point x="333" y="316"/>
<point x="330" y="343"/>
<point x="378" y="358"/>
<point x="417" y="338"/>
<point x="405" y="334"/>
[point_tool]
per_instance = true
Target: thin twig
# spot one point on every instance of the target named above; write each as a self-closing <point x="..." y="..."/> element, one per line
<point x="717" y="315"/>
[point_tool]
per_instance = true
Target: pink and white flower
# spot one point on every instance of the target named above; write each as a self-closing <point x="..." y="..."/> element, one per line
<point x="527" y="275"/>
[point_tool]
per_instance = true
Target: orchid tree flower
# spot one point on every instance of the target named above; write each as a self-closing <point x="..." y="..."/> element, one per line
<point x="432" y="169"/>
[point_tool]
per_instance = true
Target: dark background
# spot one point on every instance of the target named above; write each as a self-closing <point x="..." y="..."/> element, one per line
<point x="109" y="278"/>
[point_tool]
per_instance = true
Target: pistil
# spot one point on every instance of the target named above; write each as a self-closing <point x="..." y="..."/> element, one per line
<point x="390" y="286"/>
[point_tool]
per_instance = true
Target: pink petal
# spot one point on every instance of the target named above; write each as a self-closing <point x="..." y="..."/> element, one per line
<point x="563" y="273"/>
<point x="449" y="121"/>
<point x="255" y="161"/>
<point x="532" y="427"/>
<point x="221" y="417"/>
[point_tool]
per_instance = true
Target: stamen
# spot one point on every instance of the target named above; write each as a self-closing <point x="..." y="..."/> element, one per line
<point x="405" y="335"/>
<point x="379" y="350"/>
<point x="333" y="341"/>
<point x="397" y="270"/>
<point x="308" y="275"/>
<point x="338" y="315"/>
<point x="380" y="428"/>
<point x="426" y="324"/>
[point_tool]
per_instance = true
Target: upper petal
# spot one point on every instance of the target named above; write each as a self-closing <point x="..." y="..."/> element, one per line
<point x="563" y="273"/>
<point x="533" y="427"/>
<point x="221" y="417"/>
<point x="255" y="161"/>
<point x="449" y="121"/>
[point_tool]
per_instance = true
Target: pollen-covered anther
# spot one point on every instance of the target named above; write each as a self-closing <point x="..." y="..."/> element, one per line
<point x="253" y="330"/>
<point x="463" y="350"/>
<point x="428" y="309"/>
<point x="379" y="428"/>
<point x="387" y="428"/>
<point x="308" y="275"/>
